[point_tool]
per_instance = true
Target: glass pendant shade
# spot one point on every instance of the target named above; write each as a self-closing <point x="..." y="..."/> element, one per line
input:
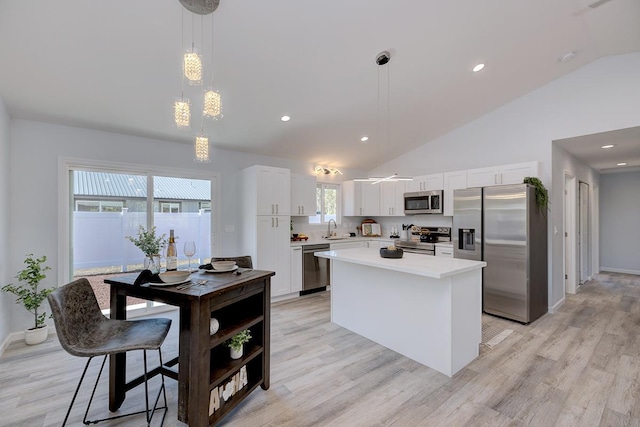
<point x="182" y="113"/>
<point x="202" y="149"/>
<point x="192" y="67"/>
<point x="212" y="104"/>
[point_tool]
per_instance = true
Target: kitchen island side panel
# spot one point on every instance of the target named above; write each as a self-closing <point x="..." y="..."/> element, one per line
<point x="436" y="322"/>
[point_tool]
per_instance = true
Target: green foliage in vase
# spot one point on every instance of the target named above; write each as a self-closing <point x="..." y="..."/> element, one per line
<point x="147" y="241"/>
<point x="542" y="197"/>
<point x="29" y="295"/>
<point x="238" y="339"/>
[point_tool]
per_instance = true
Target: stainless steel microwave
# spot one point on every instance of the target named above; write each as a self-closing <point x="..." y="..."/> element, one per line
<point x="423" y="202"/>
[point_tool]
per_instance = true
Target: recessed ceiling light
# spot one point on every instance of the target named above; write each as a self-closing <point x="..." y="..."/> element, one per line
<point x="567" y="56"/>
<point x="608" y="146"/>
<point x="478" y="68"/>
<point x="622" y="164"/>
<point x="364" y="138"/>
<point x="285" y="118"/>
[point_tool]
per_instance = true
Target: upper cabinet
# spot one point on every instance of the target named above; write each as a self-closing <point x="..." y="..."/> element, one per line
<point x="425" y="182"/>
<point x="303" y="195"/>
<point x="499" y="175"/>
<point x="452" y="181"/>
<point x="360" y="198"/>
<point x="271" y="188"/>
<point x="392" y="198"/>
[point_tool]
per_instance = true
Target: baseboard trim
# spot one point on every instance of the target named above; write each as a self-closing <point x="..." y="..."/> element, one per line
<point x="5" y="344"/>
<point x="620" y="270"/>
<point x="556" y="306"/>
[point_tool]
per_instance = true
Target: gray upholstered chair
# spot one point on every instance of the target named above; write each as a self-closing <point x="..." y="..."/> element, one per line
<point x="241" y="261"/>
<point x="84" y="331"/>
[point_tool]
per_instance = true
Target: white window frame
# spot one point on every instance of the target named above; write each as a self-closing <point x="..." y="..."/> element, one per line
<point x="65" y="204"/>
<point x="322" y="186"/>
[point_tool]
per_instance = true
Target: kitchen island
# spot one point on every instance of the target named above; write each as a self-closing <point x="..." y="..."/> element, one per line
<point x="424" y="307"/>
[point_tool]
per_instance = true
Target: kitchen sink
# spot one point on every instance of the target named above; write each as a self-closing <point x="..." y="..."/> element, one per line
<point x="336" y="238"/>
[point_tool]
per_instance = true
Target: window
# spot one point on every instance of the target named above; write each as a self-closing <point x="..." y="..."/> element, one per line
<point x="109" y="205"/>
<point x="327" y="204"/>
<point x="99" y="206"/>
<point x="169" y="207"/>
<point x="205" y="206"/>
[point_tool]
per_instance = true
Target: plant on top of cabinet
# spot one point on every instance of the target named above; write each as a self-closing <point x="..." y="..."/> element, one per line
<point x="542" y="196"/>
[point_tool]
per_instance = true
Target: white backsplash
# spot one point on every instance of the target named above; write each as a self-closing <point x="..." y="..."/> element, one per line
<point x="349" y="224"/>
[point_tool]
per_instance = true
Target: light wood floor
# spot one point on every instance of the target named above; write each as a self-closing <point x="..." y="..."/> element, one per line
<point x="577" y="367"/>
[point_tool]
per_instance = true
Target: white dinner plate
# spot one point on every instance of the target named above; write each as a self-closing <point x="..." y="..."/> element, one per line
<point x="179" y="282"/>
<point x="235" y="267"/>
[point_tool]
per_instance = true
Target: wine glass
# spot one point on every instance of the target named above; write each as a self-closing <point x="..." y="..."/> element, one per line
<point x="189" y="250"/>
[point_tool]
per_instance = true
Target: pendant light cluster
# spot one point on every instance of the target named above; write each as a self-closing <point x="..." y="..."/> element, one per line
<point x="192" y="74"/>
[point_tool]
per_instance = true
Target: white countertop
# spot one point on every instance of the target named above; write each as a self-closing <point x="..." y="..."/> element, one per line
<point x="316" y="241"/>
<point x="420" y="265"/>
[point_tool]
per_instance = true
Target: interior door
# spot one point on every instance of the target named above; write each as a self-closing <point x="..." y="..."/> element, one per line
<point x="583" y="230"/>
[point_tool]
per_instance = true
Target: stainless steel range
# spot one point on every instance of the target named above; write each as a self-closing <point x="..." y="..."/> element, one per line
<point x="423" y="240"/>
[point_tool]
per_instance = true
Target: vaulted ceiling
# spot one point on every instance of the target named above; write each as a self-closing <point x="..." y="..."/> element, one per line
<point x="115" y="66"/>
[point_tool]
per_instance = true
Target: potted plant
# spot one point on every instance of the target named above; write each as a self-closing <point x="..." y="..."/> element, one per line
<point x="236" y="343"/>
<point x="150" y="245"/>
<point x="542" y="196"/>
<point x="31" y="297"/>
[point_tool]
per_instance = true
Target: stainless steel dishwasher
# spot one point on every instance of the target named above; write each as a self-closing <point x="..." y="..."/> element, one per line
<point x="315" y="271"/>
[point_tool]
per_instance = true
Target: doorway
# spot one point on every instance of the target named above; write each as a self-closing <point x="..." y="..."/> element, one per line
<point x="570" y="241"/>
<point x="584" y="232"/>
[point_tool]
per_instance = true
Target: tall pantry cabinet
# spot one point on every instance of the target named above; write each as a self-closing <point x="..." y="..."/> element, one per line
<point x="265" y="234"/>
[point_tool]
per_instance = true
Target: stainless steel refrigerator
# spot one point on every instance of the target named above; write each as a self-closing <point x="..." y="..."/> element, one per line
<point x="504" y="227"/>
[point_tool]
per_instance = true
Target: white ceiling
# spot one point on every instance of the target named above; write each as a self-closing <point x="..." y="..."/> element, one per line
<point x="115" y="65"/>
<point x="588" y="148"/>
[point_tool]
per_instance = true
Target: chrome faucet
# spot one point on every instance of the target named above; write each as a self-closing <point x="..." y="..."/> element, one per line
<point x="329" y="227"/>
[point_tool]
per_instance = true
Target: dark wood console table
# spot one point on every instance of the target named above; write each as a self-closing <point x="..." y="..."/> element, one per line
<point x="238" y="302"/>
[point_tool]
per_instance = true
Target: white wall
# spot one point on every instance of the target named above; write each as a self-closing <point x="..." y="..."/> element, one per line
<point x="602" y="96"/>
<point x="35" y="149"/>
<point x="620" y="222"/>
<point x="566" y="164"/>
<point x="5" y="272"/>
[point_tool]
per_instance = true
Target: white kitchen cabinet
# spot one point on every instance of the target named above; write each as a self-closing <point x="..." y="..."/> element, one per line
<point x="360" y="198"/>
<point x="303" y="195"/>
<point x="504" y="174"/>
<point x="374" y="244"/>
<point x="392" y="198"/>
<point x="444" y="250"/>
<point x="296" y="268"/>
<point x="385" y="243"/>
<point x="452" y="181"/>
<point x="334" y="246"/>
<point x="272" y="246"/>
<point x="270" y="188"/>
<point x="425" y="183"/>
<point x="265" y="236"/>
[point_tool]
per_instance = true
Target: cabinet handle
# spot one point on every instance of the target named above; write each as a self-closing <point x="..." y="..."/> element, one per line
<point x="271" y="222"/>
<point x="272" y="209"/>
<point x="302" y="207"/>
<point x="277" y="222"/>
<point x="276" y="209"/>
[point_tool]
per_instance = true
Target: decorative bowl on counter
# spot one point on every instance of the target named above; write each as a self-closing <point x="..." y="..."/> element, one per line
<point x="391" y="252"/>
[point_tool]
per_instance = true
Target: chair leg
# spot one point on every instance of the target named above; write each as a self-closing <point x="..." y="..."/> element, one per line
<point x="147" y="412"/>
<point x="73" y="399"/>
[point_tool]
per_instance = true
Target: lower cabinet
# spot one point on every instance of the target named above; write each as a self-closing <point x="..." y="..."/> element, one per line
<point x="347" y="245"/>
<point x="296" y="268"/>
<point x="446" y="251"/>
<point x="272" y="246"/>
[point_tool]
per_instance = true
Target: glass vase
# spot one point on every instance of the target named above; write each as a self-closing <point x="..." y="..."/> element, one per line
<point x="152" y="263"/>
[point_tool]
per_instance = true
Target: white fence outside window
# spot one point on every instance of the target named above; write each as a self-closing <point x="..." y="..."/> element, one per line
<point x="99" y="237"/>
